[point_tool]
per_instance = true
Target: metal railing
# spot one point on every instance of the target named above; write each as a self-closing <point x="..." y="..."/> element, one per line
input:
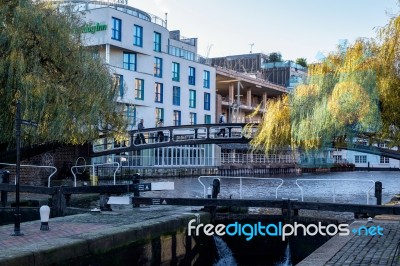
<point x="245" y="158"/>
<point x="35" y="166"/>
<point x="241" y="182"/>
<point x="335" y="181"/>
<point x="93" y="167"/>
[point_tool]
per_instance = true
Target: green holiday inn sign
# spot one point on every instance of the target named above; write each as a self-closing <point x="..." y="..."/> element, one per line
<point x="94" y="28"/>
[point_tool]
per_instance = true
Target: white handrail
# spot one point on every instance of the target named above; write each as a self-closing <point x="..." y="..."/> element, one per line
<point x="240" y="179"/>
<point x="334" y="188"/>
<point x="93" y="165"/>
<point x="37" y="166"/>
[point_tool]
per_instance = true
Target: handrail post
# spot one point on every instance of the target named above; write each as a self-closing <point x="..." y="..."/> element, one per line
<point x="378" y="192"/>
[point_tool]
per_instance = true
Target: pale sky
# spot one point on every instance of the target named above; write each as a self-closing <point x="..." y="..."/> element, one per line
<point x="295" y="28"/>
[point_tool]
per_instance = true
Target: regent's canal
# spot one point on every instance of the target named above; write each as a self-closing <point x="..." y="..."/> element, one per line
<point x="313" y="190"/>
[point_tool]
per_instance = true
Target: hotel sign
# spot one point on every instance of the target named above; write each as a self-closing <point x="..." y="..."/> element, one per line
<point x="94" y="28"/>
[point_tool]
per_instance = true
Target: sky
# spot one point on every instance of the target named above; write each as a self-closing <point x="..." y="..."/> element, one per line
<point x="295" y="28"/>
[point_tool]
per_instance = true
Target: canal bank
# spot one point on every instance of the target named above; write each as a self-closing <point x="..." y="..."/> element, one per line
<point x="158" y="235"/>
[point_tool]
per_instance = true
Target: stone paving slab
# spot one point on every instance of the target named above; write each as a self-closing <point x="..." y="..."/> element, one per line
<point x="83" y="234"/>
<point x="360" y="249"/>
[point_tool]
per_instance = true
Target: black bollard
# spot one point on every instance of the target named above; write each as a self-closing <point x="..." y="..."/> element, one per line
<point x="378" y="192"/>
<point x="5" y="178"/>
<point x="136" y="193"/>
<point x="215" y="188"/>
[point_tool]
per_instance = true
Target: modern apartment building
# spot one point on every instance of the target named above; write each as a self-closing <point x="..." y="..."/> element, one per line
<point x="158" y="71"/>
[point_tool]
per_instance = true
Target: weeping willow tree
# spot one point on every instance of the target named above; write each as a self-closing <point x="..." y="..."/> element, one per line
<point x="44" y="64"/>
<point x="353" y="92"/>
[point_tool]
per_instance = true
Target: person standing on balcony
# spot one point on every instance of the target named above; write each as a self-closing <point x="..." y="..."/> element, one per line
<point x="222" y="121"/>
<point x="160" y="134"/>
<point x="140" y="137"/>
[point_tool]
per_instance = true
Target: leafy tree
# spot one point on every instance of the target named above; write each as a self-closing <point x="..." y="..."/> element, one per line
<point x="352" y="92"/>
<point x="45" y="65"/>
<point x="275" y="57"/>
<point x="301" y="61"/>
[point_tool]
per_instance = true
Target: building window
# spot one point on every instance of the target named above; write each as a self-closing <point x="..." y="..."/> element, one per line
<point x="129" y="61"/>
<point x="207" y="101"/>
<point x="206" y="79"/>
<point x="116" y="29"/>
<point x="207" y="119"/>
<point x="139" y="89"/>
<point x="192" y="98"/>
<point x="177" y="118"/>
<point x="176" y="97"/>
<point x="119" y="84"/>
<point x="159" y="115"/>
<point x="158" y="67"/>
<point x="138" y="36"/>
<point x="175" y="71"/>
<point x="157" y="42"/>
<point x="382" y="145"/>
<point x="192" y="76"/>
<point x="360" y="159"/>
<point x="130" y="115"/>
<point x="193" y="118"/>
<point x="383" y="159"/>
<point x="337" y="158"/>
<point x="158" y="91"/>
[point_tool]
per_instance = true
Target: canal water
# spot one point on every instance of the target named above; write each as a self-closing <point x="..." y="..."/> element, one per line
<point x="354" y="187"/>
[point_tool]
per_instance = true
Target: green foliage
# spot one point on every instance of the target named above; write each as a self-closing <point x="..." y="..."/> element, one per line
<point x="301" y="61"/>
<point x="275" y="57"/>
<point x="44" y="64"/>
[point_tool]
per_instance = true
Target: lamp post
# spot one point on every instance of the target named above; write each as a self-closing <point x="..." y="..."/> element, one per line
<point x="18" y="123"/>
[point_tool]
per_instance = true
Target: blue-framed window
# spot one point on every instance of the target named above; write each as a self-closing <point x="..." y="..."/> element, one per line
<point x="193" y="118"/>
<point x="175" y="71"/>
<point x="192" y="76"/>
<point x="159" y="115"/>
<point x="207" y="119"/>
<point x="130" y="115"/>
<point x="206" y="79"/>
<point x="119" y="84"/>
<point x="158" y="91"/>
<point x="176" y="95"/>
<point x="129" y="61"/>
<point x="192" y="98"/>
<point x="158" y="67"/>
<point x="116" y="29"/>
<point x="207" y="101"/>
<point x="139" y="89"/>
<point x="157" y="42"/>
<point x="177" y="118"/>
<point x="138" y="35"/>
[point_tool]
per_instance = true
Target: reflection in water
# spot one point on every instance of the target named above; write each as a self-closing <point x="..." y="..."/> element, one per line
<point x="225" y="256"/>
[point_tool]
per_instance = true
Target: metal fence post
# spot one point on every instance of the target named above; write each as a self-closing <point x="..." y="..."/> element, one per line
<point x="4" y="180"/>
<point x="378" y="192"/>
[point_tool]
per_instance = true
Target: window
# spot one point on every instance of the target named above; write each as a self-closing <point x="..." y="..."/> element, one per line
<point x="192" y="98"/>
<point x="157" y="42"/>
<point x="116" y="29"/>
<point x="129" y="61"/>
<point x="158" y="91"/>
<point x="206" y="79"/>
<point x="383" y="159"/>
<point x="177" y="118"/>
<point x="360" y="159"/>
<point x="138" y="36"/>
<point x="176" y="95"/>
<point x="175" y="71"/>
<point x="139" y="89"/>
<point x="159" y="114"/>
<point x="193" y="118"/>
<point x="119" y="84"/>
<point x="207" y="101"/>
<point x="192" y="76"/>
<point x="130" y="115"/>
<point x="382" y="145"/>
<point x="158" y="67"/>
<point x="207" y="119"/>
<point x="337" y="158"/>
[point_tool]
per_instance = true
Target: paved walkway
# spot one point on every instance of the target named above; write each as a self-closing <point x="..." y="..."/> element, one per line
<point x="80" y="235"/>
<point x="360" y="249"/>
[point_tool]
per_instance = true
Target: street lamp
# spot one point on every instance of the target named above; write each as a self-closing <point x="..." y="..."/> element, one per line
<point x="18" y="123"/>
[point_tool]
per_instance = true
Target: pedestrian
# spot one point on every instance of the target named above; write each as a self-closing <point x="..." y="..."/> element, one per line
<point x="221" y="121"/>
<point x="140" y="138"/>
<point x="160" y="134"/>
